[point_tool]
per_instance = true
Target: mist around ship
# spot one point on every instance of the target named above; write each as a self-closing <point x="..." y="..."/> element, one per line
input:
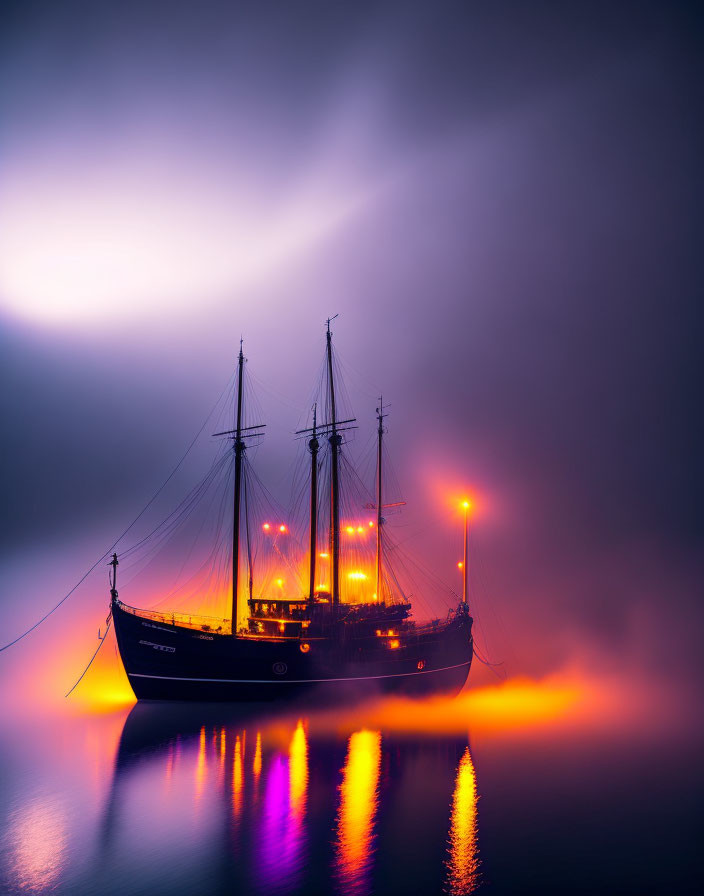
<point x="501" y="205"/>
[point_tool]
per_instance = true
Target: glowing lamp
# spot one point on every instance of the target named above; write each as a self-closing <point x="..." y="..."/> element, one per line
<point x="360" y="528"/>
<point x="371" y="523"/>
<point x="304" y="647"/>
<point x="282" y="528"/>
<point x="282" y="627"/>
<point x="280" y="583"/>
<point x="350" y="530"/>
<point x="460" y="564"/>
<point x="394" y="643"/>
<point x="266" y="527"/>
<point x="357" y="574"/>
<point x="323" y="555"/>
<point x="420" y="665"/>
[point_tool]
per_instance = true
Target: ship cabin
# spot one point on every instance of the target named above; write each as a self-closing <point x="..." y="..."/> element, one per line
<point x="279" y="617"/>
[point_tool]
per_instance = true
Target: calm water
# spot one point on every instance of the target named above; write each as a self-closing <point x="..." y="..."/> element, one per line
<point x="202" y="800"/>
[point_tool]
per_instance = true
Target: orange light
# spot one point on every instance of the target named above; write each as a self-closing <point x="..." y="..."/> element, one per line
<point x="321" y="587"/>
<point x="391" y="633"/>
<point x="257" y="764"/>
<point x="305" y="647"/>
<point x="323" y="555"/>
<point x="282" y="528"/>
<point x="359" y="800"/>
<point x="460" y="564"/>
<point x="371" y="523"/>
<point x="394" y="643"/>
<point x="280" y="583"/>
<point x="421" y="665"/>
<point x="463" y="862"/>
<point x="360" y="528"/>
<point x="350" y="530"/>
<point x="378" y="633"/>
<point x="282" y="627"/>
<point x="266" y="527"/>
<point x="357" y="574"/>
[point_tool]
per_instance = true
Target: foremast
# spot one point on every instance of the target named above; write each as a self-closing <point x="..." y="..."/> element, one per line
<point x="313" y="444"/>
<point x="239" y="434"/>
<point x="334" y="439"/>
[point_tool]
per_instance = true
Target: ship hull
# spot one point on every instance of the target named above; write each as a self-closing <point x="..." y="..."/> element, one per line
<point x="169" y="662"/>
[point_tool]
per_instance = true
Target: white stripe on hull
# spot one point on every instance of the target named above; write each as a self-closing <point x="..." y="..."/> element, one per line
<point x="298" y="680"/>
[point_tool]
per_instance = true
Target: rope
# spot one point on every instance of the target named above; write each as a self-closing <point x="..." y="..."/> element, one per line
<point x="68" y="694"/>
<point x="134" y="521"/>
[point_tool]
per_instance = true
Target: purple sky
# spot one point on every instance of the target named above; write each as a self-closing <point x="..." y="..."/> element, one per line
<point x="502" y="203"/>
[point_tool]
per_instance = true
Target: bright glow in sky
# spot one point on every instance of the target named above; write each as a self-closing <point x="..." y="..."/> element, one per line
<point x="86" y="249"/>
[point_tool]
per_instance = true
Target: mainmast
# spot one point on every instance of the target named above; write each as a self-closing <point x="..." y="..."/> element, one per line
<point x="239" y="450"/>
<point x="380" y="433"/>
<point x="313" y="445"/>
<point x="335" y="440"/>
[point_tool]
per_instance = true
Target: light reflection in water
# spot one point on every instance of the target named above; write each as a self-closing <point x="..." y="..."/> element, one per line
<point x="237" y="778"/>
<point x="38" y="833"/>
<point x="200" y="766"/>
<point x="298" y="765"/>
<point x="358" y="805"/>
<point x="281" y="839"/>
<point x="257" y="764"/>
<point x="272" y="865"/>
<point x="169" y="768"/>
<point x="463" y="861"/>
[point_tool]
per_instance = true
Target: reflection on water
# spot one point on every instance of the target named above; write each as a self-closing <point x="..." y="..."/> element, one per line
<point x="38" y="844"/>
<point x="298" y="766"/>
<point x="257" y="764"/>
<point x="212" y="800"/>
<point x="251" y="804"/>
<point x="463" y="862"/>
<point x="358" y="805"/>
<point x="237" y="777"/>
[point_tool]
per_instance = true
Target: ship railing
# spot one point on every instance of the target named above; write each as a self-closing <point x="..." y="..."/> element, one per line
<point x="184" y="620"/>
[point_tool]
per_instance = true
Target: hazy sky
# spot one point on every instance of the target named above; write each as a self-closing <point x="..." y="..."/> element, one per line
<point x="503" y="203"/>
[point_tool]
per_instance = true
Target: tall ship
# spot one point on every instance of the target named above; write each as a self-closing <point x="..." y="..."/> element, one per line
<point x="344" y="627"/>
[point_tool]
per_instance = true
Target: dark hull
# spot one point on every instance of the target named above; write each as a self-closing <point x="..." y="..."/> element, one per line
<point x="169" y="662"/>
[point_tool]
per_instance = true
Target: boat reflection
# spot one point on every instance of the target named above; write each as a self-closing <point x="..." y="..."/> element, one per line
<point x="359" y="800"/>
<point x="283" y="808"/>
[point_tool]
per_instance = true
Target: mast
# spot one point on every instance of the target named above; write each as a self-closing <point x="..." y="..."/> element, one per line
<point x="335" y="441"/>
<point x="239" y="449"/>
<point x="465" y="559"/>
<point x="113" y="580"/>
<point x="313" y="445"/>
<point x="380" y="433"/>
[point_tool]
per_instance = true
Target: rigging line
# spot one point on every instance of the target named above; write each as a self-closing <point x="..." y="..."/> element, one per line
<point x="102" y="640"/>
<point x="115" y="543"/>
<point x="173" y="520"/>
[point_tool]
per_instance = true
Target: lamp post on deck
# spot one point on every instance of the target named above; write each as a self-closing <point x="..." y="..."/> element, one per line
<point x="465" y="570"/>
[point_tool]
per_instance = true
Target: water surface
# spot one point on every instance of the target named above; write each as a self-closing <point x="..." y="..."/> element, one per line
<point x="205" y="799"/>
